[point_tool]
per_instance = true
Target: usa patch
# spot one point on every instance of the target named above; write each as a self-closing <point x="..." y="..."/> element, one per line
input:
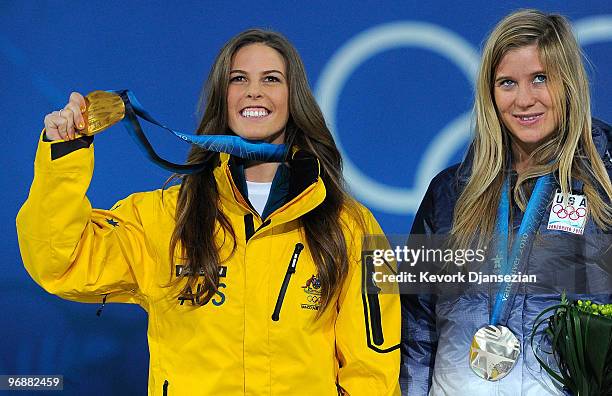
<point x="568" y="215"/>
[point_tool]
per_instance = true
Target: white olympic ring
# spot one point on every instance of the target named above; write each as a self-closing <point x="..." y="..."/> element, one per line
<point x="362" y="47"/>
<point x="451" y="138"/>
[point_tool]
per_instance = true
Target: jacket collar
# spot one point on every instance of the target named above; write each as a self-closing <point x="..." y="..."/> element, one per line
<point x="297" y="187"/>
<point x="602" y="138"/>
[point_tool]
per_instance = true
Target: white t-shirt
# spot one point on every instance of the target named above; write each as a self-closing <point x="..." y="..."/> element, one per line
<point x="258" y="194"/>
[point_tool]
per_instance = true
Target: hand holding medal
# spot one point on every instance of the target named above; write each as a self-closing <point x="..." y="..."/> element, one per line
<point x="69" y="121"/>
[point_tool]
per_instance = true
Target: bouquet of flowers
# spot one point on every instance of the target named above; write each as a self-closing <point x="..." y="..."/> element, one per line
<point x="580" y="336"/>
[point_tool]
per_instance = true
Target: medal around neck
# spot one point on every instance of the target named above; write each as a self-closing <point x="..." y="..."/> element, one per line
<point x="494" y="352"/>
<point x="106" y="108"/>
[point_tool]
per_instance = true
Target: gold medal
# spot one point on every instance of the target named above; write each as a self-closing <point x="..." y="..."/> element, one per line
<point x="104" y="109"/>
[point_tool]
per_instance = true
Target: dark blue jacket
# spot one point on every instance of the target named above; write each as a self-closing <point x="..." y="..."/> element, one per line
<point x="437" y="330"/>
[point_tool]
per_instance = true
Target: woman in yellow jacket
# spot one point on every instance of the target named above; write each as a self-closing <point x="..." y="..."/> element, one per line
<point x="250" y="271"/>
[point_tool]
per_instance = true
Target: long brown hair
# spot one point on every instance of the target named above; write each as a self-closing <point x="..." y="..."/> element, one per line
<point x="570" y="152"/>
<point x="198" y="218"/>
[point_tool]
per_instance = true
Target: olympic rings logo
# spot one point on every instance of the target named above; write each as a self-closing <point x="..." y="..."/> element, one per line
<point x="314" y="299"/>
<point x="568" y="211"/>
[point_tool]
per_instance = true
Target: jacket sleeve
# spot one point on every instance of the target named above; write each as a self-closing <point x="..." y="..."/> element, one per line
<point x="367" y="331"/>
<point x="70" y="249"/>
<point x="419" y="335"/>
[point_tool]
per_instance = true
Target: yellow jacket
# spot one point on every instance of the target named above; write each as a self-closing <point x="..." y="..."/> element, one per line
<point x="233" y="345"/>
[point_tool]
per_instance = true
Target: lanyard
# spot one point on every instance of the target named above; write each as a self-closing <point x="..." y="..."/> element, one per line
<point x="514" y="261"/>
<point x="231" y="144"/>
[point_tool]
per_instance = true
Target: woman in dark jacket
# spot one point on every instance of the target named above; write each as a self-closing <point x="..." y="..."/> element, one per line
<point x="537" y="166"/>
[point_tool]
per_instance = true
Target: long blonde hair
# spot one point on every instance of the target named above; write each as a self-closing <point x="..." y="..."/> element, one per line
<point x="569" y="153"/>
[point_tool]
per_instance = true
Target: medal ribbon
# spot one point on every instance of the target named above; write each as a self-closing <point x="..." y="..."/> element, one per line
<point x="516" y="260"/>
<point x="231" y="144"/>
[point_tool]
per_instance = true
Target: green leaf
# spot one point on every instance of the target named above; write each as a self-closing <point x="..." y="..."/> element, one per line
<point x="599" y="344"/>
<point x="581" y="344"/>
<point x="538" y="323"/>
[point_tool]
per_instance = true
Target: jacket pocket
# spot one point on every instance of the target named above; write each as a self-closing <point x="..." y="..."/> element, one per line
<point x="283" y="290"/>
<point x="373" y="303"/>
<point x="375" y="319"/>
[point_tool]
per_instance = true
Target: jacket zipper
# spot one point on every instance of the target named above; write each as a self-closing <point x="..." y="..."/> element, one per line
<point x="104" y="297"/>
<point x="165" y="388"/>
<point x="99" y="311"/>
<point x="283" y="289"/>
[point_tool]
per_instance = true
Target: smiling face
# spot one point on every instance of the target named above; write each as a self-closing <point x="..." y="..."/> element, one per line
<point x="523" y="98"/>
<point x="258" y="94"/>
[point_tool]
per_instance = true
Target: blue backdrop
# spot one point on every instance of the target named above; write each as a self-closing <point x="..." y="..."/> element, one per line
<point x="395" y="80"/>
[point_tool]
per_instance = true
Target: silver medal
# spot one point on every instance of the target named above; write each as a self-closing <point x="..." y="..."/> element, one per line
<point x="494" y="352"/>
